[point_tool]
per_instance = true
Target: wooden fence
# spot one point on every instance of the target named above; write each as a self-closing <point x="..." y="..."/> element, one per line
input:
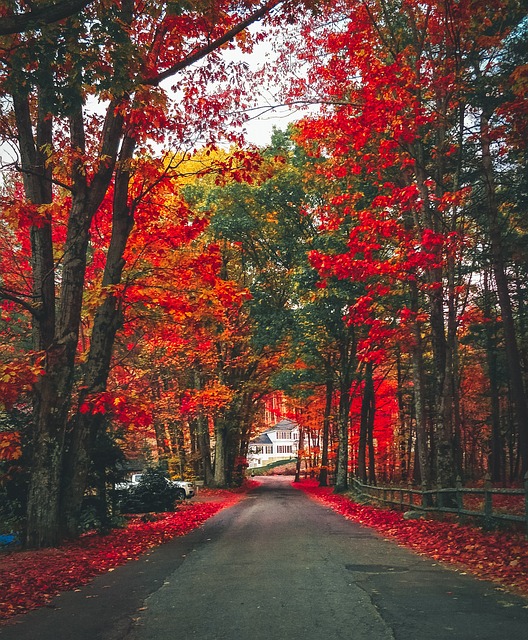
<point x="481" y="503"/>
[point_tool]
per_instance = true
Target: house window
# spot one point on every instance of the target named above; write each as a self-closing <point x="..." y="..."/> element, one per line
<point x="283" y="435"/>
<point x="284" y="448"/>
<point x="268" y="448"/>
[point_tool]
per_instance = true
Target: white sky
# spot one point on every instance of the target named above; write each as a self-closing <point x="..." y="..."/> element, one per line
<point x="260" y="126"/>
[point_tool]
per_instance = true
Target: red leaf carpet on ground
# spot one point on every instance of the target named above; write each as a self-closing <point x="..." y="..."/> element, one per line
<point x="500" y="557"/>
<point x="30" y="579"/>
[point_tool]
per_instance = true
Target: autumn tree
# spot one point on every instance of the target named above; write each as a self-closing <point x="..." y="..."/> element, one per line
<point x="250" y="220"/>
<point x="84" y="96"/>
<point x="398" y="116"/>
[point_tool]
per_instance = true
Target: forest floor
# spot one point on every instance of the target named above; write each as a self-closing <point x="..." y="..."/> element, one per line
<point x="31" y="579"/>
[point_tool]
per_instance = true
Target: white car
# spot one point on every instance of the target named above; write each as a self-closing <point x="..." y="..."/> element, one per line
<point x="186" y="486"/>
<point x="128" y="484"/>
<point x="186" y="489"/>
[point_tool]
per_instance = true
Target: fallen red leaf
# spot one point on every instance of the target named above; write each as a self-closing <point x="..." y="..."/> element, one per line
<point x="31" y="579"/>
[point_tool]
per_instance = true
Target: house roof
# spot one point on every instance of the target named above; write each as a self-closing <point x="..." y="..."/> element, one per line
<point x="283" y="425"/>
<point x="262" y="439"/>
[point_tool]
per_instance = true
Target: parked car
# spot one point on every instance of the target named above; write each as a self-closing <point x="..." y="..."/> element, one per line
<point x="128" y="484"/>
<point x="188" y="488"/>
<point x="185" y="488"/>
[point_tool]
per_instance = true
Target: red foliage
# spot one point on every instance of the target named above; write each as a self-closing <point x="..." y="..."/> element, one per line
<point x="30" y="579"/>
<point x="499" y="557"/>
<point x="10" y="448"/>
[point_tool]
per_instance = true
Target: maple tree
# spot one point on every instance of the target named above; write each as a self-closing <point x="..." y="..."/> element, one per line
<point x="269" y="231"/>
<point x="400" y="84"/>
<point x="370" y="261"/>
<point x="75" y="163"/>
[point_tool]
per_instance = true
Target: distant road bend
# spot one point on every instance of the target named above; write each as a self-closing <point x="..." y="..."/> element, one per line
<point x="278" y="566"/>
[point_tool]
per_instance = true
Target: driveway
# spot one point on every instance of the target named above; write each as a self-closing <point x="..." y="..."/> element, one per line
<point x="278" y="566"/>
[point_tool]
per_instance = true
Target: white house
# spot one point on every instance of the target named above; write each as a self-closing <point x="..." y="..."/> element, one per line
<point x="281" y="442"/>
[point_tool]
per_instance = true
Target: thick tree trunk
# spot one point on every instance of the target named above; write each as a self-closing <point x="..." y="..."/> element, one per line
<point x="47" y="453"/>
<point x="54" y="403"/>
<point x="52" y="393"/>
<point x="55" y="388"/>
<point x="47" y="438"/>
<point x="83" y="427"/>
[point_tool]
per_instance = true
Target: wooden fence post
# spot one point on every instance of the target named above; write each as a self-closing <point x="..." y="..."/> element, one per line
<point x="488" y="502"/>
<point x="459" y="496"/>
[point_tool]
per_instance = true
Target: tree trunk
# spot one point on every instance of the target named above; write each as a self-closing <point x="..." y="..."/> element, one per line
<point x="204" y="441"/>
<point x="221" y="454"/>
<point x="371" y="414"/>
<point x="299" y="459"/>
<point x="347" y="363"/>
<point x="329" y="393"/>
<point x="55" y="388"/>
<point x="404" y="436"/>
<point x="496" y="449"/>
<point x="342" y="434"/>
<point x="430" y="219"/>
<point x="419" y="394"/>
<point x="84" y="427"/>
<point x="47" y="438"/>
<point x="363" y="430"/>
<point x="205" y="450"/>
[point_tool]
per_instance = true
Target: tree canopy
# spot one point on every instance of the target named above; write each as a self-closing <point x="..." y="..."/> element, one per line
<point x="163" y="284"/>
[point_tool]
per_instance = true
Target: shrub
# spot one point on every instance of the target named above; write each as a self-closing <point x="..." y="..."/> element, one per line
<point x="152" y="493"/>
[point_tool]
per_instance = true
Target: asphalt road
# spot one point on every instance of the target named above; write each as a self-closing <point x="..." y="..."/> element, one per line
<point x="278" y="566"/>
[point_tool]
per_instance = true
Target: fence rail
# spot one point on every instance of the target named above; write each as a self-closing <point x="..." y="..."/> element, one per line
<point x="458" y="499"/>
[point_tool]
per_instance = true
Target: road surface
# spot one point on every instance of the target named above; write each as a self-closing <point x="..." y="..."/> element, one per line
<point x="278" y="566"/>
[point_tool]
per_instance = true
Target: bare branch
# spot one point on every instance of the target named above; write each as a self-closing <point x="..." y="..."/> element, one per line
<point x="215" y="44"/>
<point x="41" y="175"/>
<point x="6" y="294"/>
